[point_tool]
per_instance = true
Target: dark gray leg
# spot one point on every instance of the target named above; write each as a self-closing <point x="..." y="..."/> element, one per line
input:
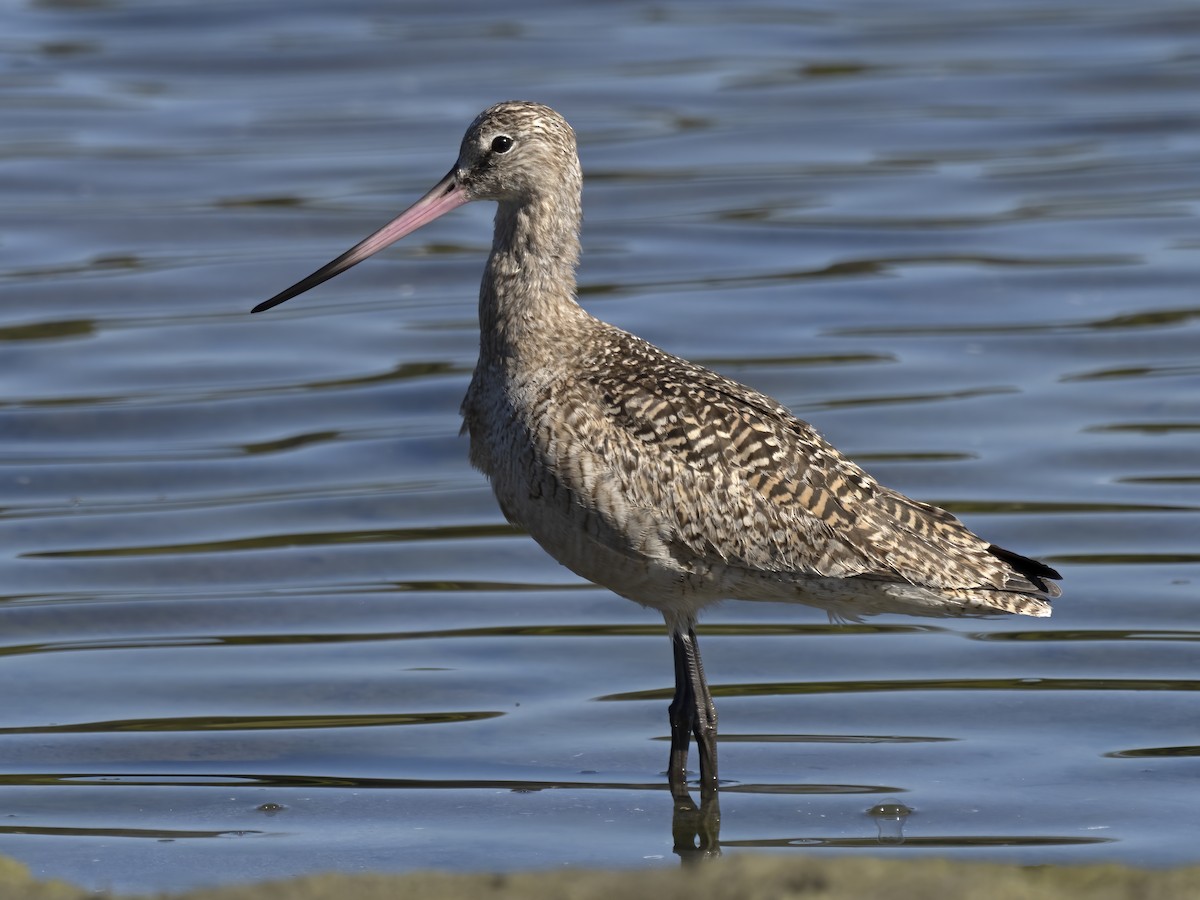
<point x="692" y="712"/>
<point x="681" y="713"/>
<point x="705" y="725"/>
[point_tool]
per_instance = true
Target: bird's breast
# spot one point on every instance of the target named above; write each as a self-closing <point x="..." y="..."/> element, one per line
<point x="555" y="474"/>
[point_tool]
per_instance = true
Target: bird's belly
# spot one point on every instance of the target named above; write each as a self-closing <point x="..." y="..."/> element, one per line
<point x="627" y="556"/>
<point x="585" y="523"/>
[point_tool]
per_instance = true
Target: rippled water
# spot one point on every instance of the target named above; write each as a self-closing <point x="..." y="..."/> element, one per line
<point x="259" y="616"/>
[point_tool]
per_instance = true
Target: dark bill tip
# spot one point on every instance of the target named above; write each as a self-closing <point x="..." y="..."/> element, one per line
<point x="446" y="195"/>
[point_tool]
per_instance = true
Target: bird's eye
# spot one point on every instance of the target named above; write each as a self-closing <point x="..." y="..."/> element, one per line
<point x="502" y="144"/>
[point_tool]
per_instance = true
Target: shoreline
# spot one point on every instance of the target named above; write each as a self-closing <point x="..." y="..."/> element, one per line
<point x="741" y="877"/>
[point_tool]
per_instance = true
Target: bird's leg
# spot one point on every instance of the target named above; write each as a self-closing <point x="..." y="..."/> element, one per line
<point x="681" y="712"/>
<point x="704" y="723"/>
<point x="692" y="712"/>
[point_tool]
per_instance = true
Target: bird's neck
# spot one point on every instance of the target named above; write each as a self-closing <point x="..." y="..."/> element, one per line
<point x="527" y="299"/>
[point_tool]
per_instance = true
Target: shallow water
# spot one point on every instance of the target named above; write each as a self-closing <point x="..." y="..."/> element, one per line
<point x="260" y="617"/>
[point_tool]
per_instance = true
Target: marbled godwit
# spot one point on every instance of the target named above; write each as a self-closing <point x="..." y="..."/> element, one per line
<point x="657" y="478"/>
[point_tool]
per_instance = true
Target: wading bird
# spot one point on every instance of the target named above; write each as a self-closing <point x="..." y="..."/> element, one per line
<point x="655" y="477"/>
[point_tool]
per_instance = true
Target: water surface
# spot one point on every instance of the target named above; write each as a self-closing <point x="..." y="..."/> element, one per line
<point x="260" y="617"/>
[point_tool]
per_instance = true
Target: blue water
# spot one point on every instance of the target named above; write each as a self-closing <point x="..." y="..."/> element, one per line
<point x="258" y="615"/>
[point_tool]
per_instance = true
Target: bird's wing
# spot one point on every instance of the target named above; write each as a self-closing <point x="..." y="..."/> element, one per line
<point x="739" y="480"/>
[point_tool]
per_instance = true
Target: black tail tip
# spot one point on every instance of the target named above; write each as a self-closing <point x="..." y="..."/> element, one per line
<point x="1032" y="569"/>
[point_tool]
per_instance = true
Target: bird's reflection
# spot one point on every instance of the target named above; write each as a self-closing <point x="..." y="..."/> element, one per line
<point x="696" y="829"/>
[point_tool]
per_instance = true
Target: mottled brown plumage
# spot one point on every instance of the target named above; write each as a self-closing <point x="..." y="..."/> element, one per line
<point x="655" y="477"/>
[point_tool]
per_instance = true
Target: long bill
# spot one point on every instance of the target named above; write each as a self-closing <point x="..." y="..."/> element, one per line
<point x="446" y="195"/>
